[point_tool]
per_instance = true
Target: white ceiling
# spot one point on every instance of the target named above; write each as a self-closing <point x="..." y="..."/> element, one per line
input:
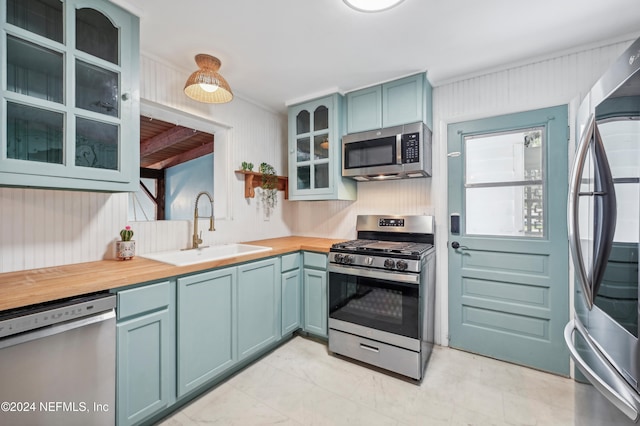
<point x="275" y="52"/>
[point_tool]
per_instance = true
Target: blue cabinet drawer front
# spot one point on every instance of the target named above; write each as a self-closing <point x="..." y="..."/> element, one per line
<point x="142" y="299"/>
<point x="315" y="260"/>
<point x="290" y="261"/>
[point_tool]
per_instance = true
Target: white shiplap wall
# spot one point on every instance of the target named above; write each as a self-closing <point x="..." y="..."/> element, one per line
<point x="547" y="82"/>
<point x="40" y="228"/>
<point x="43" y="228"/>
<point x="541" y="83"/>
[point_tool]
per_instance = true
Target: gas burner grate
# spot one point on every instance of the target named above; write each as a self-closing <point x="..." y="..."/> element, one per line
<point x="374" y="246"/>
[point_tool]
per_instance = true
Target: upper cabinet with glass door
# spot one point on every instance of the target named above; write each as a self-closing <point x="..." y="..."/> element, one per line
<point x="315" y="154"/>
<point x="69" y="102"/>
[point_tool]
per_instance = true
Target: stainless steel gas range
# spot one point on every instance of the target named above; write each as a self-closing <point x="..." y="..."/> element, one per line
<point x="382" y="293"/>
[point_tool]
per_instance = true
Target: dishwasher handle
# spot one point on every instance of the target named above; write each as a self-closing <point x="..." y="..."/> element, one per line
<point x="56" y="329"/>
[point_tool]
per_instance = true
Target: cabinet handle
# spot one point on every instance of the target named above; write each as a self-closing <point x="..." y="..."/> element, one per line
<point x="125" y="96"/>
<point x="369" y="348"/>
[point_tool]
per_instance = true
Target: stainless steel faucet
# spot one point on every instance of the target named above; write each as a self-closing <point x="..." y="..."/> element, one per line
<point x="197" y="239"/>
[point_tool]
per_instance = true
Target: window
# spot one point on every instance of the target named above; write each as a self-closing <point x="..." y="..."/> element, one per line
<point x="504" y="186"/>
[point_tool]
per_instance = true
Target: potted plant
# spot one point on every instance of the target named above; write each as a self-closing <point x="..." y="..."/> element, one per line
<point x="269" y="192"/>
<point x="126" y="248"/>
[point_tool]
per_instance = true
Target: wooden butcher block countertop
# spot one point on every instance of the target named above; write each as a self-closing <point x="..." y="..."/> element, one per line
<point x="23" y="288"/>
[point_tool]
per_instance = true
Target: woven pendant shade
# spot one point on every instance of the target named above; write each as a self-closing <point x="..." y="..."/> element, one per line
<point x="206" y="84"/>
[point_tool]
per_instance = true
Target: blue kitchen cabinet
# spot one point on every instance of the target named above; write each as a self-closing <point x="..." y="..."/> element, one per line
<point x="291" y="293"/>
<point x="364" y="109"/>
<point x="258" y="312"/>
<point x="145" y="361"/>
<point x="315" y="294"/>
<point x="402" y="101"/>
<point x="70" y="99"/>
<point x="205" y="327"/>
<point x="315" y="151"/>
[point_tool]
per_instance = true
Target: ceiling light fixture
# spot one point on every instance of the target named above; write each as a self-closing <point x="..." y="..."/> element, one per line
<point x="206" y="84"/>
<point x="372" y="5"/>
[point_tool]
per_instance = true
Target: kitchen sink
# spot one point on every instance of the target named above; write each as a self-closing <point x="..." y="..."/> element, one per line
<point x="204" y="254"/>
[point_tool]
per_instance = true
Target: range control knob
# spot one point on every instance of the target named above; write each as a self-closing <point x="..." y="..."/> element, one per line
<point x="338" y="258"/>
<point x="348" y="259"/>
<point x="401" y="265"/>
<point x="389" y="263"/>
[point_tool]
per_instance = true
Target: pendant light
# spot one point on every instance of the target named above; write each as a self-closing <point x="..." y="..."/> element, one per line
<point x="206" y="84"/>
<point x="372" y="5"/>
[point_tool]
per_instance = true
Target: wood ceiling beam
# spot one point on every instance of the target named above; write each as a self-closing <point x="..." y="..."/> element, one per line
<point x="192" y="154"/>
<point x="166" y="139"/>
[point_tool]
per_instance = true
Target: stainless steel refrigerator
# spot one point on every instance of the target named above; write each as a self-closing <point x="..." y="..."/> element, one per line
<point x="604" y="231"/>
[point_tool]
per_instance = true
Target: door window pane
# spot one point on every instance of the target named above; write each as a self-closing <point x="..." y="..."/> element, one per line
<point x="321" y="118"/>
<point x="96" y="144"/>
<point x="504" y="188"/>
<point x="303" y="122"/>
<point x="96" y="89"/>
<point x="33" y="70"/>
<point x="42" y="17"/>
<point x="34" y="134"/>
<point x="321" y="175"/>
<point x="321" y="147"/>
<point x="96" y="35"/>
<point x="505" y="157"/>
<point x="515" y="211"/>
<point x="304" y="177"/>
<point x="303" y="151"/>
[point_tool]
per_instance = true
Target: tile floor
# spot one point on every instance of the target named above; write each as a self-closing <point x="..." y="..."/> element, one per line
<point x="301" y="384"/>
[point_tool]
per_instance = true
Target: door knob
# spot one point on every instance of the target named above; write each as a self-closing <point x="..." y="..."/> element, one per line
<point x="456" y="245"/>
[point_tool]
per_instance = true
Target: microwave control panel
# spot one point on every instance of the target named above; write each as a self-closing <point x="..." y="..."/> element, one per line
<point x="410" y="148"/>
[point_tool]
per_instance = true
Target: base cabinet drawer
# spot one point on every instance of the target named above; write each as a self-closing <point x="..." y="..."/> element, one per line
<point x="376" y="353"/>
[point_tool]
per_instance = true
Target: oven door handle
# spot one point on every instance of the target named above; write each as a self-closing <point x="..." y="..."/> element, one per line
<point x="372" y="273"/>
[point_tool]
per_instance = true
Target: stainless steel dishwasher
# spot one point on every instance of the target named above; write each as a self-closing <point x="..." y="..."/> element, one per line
<point x="57" y="363"/>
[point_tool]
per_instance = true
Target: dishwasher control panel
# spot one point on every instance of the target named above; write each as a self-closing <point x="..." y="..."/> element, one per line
<point x="20" y="320"/>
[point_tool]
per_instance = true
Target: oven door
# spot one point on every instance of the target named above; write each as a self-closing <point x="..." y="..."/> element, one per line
<point x="380" y="300"/>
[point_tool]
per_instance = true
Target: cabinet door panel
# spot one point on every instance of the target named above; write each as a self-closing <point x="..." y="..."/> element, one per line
<point x="205" y="327"/>
<point x="402" y="101"/>
<point x="258" y="306"/>
<point x="315" y="151"/>
<point x="291" y="301"/>
<point x="364" y="109"/>
<point x="144" y="346"/>
<point x="315" y="302"/>
<point x="79" y="60"/>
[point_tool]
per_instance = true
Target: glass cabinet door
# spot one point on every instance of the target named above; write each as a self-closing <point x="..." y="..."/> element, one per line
<point x="315" y="154"/>
<point x="312" y="148"/>
<point x="68" y="75"/>
<point x="97" y="90"/>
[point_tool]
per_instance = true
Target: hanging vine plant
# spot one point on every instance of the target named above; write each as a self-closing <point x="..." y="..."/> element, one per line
<point x="269" y="192"/>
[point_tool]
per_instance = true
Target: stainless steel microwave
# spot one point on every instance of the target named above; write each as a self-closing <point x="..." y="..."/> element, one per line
<point x="391" y="153"/>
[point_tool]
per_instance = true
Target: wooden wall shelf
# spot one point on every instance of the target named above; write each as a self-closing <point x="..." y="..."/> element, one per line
<point x="253" y="180"/>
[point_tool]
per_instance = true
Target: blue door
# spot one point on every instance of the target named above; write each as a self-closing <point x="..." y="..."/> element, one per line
<point x="507" y="246"/>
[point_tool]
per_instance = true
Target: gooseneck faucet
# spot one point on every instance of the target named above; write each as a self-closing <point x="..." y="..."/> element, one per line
<point x="197" y="239"/>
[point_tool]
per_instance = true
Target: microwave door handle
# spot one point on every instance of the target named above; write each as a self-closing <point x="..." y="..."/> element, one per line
<point x="573" y="214"/>
<point x="399" y="148"/>
<point x="605" y="199"/>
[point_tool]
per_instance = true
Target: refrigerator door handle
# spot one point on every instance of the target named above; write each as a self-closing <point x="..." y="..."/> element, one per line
<point x="573" y="214"/>
<point x="606" y="212"/>
<point x="627" y="405"/>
